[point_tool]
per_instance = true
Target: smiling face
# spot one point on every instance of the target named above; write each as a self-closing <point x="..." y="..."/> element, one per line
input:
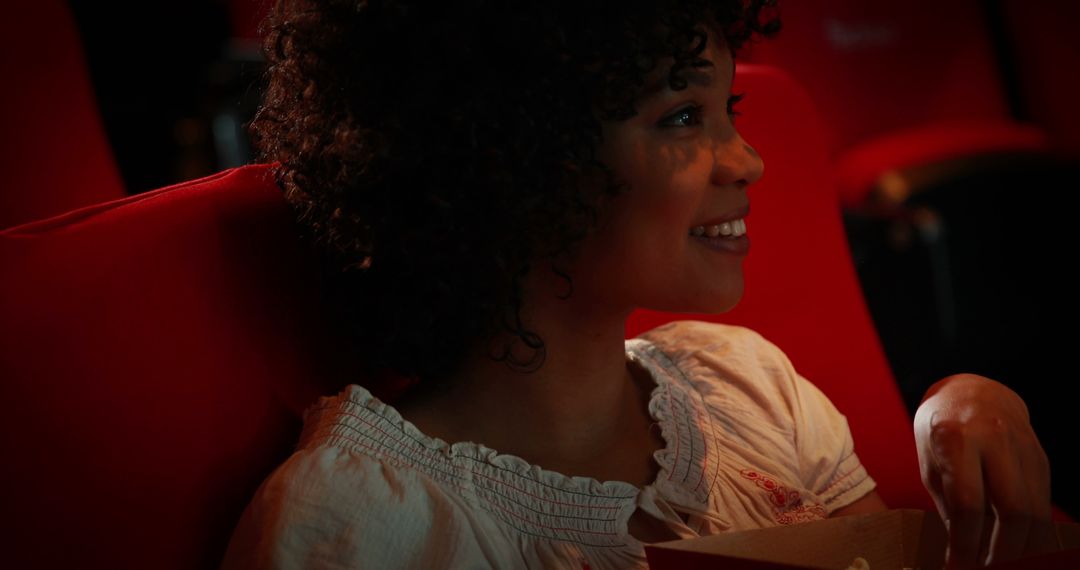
<point x="686" y="166"/>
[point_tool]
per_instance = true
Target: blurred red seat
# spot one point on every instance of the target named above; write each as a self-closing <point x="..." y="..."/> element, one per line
<point x="56" y="156"/>
<point x="151" y="353"/>
<point x="1046" y="52"/>
<point x="898" y="84"/>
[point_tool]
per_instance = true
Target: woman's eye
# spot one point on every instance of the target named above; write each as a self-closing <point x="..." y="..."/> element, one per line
<point x="685" y="117"/>
<point x="691" y="115"/>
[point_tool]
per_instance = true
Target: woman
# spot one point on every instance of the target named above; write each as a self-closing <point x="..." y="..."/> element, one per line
<point x="504" y="184"/>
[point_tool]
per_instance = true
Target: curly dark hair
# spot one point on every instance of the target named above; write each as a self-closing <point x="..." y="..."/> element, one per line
<point x="435" y="150"/>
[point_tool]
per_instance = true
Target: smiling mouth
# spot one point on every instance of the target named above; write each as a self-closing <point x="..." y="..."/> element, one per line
<point x="733" y="243"/>
<point x="732" y="229"/>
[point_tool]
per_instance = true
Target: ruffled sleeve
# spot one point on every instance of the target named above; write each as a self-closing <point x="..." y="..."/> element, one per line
<point x="327" y="507"/>
<point x="763" y="404"/>
<point x="826" y="450"/>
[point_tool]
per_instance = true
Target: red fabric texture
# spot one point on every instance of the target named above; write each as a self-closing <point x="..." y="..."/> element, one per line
<point x="898" y="84"/>
<point x="874" y="67"/>
<point x="56" y="156"/>
<point x="154" y="353"/>
<point x="859" y="169"/>
<point x="1046" y="48"/>
<point x="245" y="17"/>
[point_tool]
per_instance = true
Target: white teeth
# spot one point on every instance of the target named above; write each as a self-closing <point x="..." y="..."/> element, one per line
<point x="734" y="228"/>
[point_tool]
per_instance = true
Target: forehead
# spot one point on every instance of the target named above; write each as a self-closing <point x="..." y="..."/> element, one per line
<point x="719" y="59"/>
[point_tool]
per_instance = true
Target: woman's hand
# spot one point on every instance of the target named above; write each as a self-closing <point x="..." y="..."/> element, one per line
<point x="985" y="469"/>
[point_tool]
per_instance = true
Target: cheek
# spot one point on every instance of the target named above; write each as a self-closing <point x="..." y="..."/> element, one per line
<point x="659" y="197"/>
<point x="645" y="238"/>
<point x="664" y="207"/>
<point x="646" y="228"/>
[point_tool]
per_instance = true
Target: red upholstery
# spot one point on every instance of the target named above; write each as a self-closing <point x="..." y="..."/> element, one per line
<point x="56" y="156"/>
<point x="899" y="84"/>
<point x="874" y="67"/>
<point x="862" y="166"/>
<point x="1046" y="48"/>
<point x="244" y="18"/>
<point x="156" y="351"/>
<point x="153" y="353"/>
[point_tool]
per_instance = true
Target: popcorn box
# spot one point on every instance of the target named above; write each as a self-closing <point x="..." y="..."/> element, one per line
<point x="890" y="540"/>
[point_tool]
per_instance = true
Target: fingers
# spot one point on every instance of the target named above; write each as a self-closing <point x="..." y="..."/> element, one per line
<point x="987" y="533"/>
<point x="989" y="477"/>
<point x="1016" y="511"/>
<point x="965" y="536"/>
<point x="961" y="493"/>
<point x="1010" y="493"/>
<point x="1041" y="536"/>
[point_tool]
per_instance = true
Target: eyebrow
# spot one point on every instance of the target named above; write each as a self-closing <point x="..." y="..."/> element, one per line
<point x="693" y="76"/>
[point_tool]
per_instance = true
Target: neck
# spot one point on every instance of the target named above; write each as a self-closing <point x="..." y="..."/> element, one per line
<point x="581" y="405"/>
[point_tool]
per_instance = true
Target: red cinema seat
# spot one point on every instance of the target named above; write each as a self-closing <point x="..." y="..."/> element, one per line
<point x="899" y="85"/>
<point x="152" y="354"/>
<point x="56" y="156"/>
<point x="244" y="18"/>
<point x="157" y="351"/>
<point x="1046" y="55"/>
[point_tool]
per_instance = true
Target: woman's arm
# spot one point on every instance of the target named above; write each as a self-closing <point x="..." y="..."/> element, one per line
<point x="869" y="503"/>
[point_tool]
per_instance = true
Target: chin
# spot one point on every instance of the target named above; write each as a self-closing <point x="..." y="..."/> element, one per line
<point x="722" y="307"/>
<point x="724" y="302"/>
<point x="713" y="304"/>
<point x="724" y="299"/>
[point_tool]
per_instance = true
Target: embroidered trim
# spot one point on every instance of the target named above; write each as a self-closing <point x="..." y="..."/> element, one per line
<point x="801" y="514"/>
<point x="787" y="504"/>
<point x="700" y="410"/>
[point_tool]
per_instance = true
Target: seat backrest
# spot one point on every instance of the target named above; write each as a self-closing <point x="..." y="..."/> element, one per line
<point x="157" y="351"/>
<point x="245" y="17"/>
<point x="56" y="156"/>
<point x="154" y="354"/>
<point x="875" y="67"/>
<point x="1046" y="50"/>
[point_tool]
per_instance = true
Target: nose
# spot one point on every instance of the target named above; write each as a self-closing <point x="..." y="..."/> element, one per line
<point x="736" y="162"/>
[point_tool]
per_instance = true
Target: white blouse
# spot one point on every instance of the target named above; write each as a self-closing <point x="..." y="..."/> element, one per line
<point x="749" y="443"/>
